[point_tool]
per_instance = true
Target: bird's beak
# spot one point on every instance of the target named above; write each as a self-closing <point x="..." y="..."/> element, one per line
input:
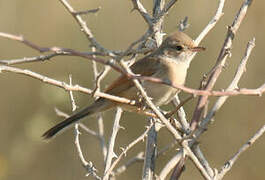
<point x="197" y="49"/>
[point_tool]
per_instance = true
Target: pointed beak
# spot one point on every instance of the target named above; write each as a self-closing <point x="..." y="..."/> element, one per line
<point x="197" y="49"/>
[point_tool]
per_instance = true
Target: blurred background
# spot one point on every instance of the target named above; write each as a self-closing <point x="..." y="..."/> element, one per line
<point x="27" y="105"/>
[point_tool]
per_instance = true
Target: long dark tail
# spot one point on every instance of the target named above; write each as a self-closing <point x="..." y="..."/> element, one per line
<point x="98" y="106"/>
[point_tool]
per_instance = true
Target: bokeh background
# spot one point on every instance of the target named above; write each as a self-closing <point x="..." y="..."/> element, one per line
<point x="27" y="105"/>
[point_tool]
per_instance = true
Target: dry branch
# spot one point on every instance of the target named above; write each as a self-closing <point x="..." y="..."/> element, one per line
<point x="221" y="60"/>
<point x="228" y="165"/>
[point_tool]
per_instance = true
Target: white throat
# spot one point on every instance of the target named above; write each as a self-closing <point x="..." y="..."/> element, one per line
<point x="183" y="58"/>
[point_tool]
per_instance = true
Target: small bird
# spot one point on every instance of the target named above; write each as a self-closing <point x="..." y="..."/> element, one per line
<point x="169" y="62"/>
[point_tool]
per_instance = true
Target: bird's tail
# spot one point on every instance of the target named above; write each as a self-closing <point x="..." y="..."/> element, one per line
<point x="98" y="106"/>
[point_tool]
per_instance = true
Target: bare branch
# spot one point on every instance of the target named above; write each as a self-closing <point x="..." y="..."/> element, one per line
<point x="179" y="169"/>
<point x="233" y="85"/>
<point x="87" y="165"/>
<point x="81" y="125"/>
<point x="219" y="13"/>
<point x="64" y="85"/>
<point x="165" y="9"/>
<point x="150" y="152"/>
<point x="85" y="29"/>
<point x="228" y="165"/>
<point x="196" y="149"/>
<point x="24" y="41"/>
<point x="40" y="58"/>
<point x="60" y="50"/>
<point x="138" y="158"/>
<point x="168" y="115"/>
<point x="137" y="5"/>
<point x="98" y="77"/>
<point x="87" y="11"/>
<point x="170" y="165"/>
<point x="71" y="95"/>
<point x="221" y="60"/>
<point x="110" y="153"/>
<point x="125" y="150"/>
<point x="183" y="24"/>
<point x="181" y="115"/>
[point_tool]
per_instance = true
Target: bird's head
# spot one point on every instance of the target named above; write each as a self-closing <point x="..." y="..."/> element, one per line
<point x="178" y="45"/>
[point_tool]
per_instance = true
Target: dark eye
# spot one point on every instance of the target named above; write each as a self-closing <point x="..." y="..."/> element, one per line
<point x="179" y="48"/>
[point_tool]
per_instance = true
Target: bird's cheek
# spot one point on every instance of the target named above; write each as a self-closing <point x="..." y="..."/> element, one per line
<point x="172" y="53"/>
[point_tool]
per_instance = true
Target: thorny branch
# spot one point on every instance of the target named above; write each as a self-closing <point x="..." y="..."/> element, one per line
<point x="228" y="165"/>
<point x="110" y="153"/>
<point x="126" y="149"/>
<point x="91" y="170"/>
<point x="85" y="29"/>
<point x="221" y="60"/>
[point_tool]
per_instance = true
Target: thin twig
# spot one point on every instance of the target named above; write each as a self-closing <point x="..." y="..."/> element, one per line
<point x="99" y="77"/>
<point x="126" y="149"/>
<point x="183" y="24"/>
<point x="137" y="5"/>
<point x="165" y="9"/>
<point x="87" y="11"/>
<point x="64" y="85"/>
<point x="91" y="170"/>
<point x="196" y="149"/>
<point x="40" y="58"/>
<point x="228" y="165"/>
<point x="97" y="80"/>
<point x="138" y="158"/>
<point x="170" y="165"/>
<point x="71" y="94"/>
<point x="150" y="152"/>
<point x="219" y="13"/>
<point x="110" y="153"/>
<point x="168" y="115"/>
<point x="85" y="29"/>
<point x="179" y="165"/>
<point x="179" y="169"/>
<point x="181" y="115"/>
<point x="81" y="125"/>
<point x="87" y="165"/>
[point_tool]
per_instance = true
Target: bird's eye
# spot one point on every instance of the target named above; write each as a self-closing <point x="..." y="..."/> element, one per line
<point x="179" y="48"/>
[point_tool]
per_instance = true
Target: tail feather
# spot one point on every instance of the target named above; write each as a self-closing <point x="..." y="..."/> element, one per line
<point x="98" y="106"/>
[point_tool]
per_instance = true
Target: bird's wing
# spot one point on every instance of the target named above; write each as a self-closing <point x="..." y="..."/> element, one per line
<point x="145" y="67"/>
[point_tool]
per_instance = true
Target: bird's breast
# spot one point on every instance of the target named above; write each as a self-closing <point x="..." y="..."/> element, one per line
<point x="171" y="71"/>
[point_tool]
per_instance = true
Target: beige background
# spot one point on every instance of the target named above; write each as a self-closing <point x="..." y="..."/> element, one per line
<point x="27" y="105"/>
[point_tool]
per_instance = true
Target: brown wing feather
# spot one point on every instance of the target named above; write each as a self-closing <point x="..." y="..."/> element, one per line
<point x="145" y="67"/>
